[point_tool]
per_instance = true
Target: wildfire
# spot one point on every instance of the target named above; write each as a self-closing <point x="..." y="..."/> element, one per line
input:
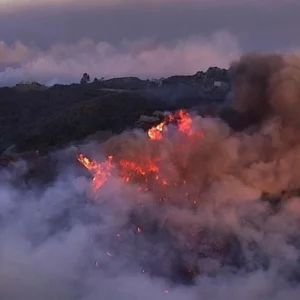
<point x="155" y="133"/>
<point x="142" y="169"/>
<point x="185" y="122"/>
<point x="158" y="165"/>
<point x="100" y="171"/>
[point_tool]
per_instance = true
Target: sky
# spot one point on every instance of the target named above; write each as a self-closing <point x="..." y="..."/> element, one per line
<point x="57" y="41"/>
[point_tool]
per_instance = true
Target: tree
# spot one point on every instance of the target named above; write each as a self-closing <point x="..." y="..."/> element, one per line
<point x="85" y="78"/>
<point x="96" y="80"/>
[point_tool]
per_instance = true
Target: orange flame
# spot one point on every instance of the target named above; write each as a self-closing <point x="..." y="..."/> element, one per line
<point x="184" y="125"/>
<point x="155" y="133"/>
<point x="100" y="171"/>
<point x="145" y="169"/>
<point x="185" y="122"/>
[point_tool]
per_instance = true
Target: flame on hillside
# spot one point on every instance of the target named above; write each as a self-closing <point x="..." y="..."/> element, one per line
<point x="147" y="170"/>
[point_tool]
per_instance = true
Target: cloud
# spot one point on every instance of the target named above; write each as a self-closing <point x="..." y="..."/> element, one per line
<point x="15" y="54"/>
<point x="20" y="6"/>
<point x="48" y="22"/>
<point x="19" y="3"/>
<point x="145" y="58"/>
<point x="6" y="4"/>
<point x="25" y="5"/>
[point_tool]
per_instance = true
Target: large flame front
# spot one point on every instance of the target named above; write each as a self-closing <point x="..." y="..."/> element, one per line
<point x="142" y="169"/>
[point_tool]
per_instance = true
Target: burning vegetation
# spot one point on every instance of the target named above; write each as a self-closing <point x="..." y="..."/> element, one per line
<point x="145" y="168"/>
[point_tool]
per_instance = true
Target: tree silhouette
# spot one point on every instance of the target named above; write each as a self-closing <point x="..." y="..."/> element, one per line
<point x="85" y="78"/>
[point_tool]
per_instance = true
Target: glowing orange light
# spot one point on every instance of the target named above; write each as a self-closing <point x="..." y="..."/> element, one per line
<point x="142" y="169"/>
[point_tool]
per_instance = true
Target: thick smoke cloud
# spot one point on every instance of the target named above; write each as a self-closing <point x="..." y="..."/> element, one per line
<point x="65" y="241"/>
<point x="144" y="58"/>
<point x="267" y="87"/>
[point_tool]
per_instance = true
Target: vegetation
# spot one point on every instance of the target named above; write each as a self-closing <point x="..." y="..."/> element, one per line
<point x="35" y="118"/>
<point x="85" y="78"/>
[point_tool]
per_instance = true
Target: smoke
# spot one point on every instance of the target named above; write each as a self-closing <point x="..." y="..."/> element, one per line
<point x="268" y="86"/>
<point x="145" y="58"/>
<point x="214" y="236"/>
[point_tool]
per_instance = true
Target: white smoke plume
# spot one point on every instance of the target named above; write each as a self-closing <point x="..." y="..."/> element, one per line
<point x="65" y="241"/>
<point x="64" y="63"/>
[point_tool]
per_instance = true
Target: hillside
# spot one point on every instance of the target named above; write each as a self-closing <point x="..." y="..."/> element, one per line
<point x="35" y="117"/>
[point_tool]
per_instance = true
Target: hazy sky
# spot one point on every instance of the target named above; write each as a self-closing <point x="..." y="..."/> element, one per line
<point x="113" y="26"/>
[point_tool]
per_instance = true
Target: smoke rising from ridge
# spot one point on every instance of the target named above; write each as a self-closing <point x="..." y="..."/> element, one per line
<point x="69" y="242"/>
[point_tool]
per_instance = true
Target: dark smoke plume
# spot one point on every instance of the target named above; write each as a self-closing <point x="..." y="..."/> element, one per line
<point x="266" y="86"/>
